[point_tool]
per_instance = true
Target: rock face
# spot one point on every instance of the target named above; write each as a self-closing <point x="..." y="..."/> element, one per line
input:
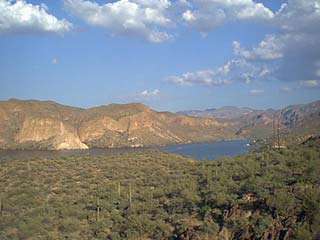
<point x="48" y="125"/>
<point x="296" y="120"/>
<point x="38" y="125"/>
<point x="42" y="129"/>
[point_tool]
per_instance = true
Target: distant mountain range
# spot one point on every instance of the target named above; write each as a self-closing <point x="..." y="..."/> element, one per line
<point x="296" y="121"/>
<point x="227" y="112"/>
<point x="48" y="125"/>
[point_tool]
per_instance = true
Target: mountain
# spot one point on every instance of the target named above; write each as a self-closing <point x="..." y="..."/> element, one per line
<point x="294" y="122"/>
<point x="227" y="112"/>
<point x="48" y="125"/>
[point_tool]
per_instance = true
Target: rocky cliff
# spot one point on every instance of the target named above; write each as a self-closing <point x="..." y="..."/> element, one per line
<point x="296" y="121"/>
<point x="48" y="125"/>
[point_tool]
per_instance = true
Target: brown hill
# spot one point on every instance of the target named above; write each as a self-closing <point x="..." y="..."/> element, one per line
<point x="294" y="122"/>
<point x="48" y="125"/>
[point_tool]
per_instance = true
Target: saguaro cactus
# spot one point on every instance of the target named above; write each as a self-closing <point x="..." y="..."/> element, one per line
<point x="130" y="195"/>
<point x="1" y="206"/>
<point x="98" y="209"/>
<point x="119" y="189"/>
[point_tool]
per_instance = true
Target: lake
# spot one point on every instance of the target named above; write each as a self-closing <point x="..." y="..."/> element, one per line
<point x="210" y="150"/>
<point x="200" y="151"/>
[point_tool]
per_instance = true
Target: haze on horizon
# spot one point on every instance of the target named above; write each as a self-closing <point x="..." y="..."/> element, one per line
<point x="170" y="55"/>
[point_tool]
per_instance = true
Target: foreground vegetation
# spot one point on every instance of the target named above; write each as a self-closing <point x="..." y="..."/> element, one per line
<point x="154" y="195"/>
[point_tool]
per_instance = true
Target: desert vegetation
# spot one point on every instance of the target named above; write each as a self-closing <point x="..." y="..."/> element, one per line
<point x="270" y="194"/>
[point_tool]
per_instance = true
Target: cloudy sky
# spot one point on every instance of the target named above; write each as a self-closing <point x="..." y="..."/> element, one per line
<point x="170" y="54"/>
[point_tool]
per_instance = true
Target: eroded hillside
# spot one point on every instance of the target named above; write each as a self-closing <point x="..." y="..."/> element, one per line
<point x="48" y="125"/>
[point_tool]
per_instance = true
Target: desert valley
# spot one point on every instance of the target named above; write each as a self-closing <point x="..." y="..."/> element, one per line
<point x="159" y="120"/>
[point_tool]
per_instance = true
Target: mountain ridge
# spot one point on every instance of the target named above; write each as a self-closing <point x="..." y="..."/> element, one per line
<point x="37" y="124"/>
<point x="34" y="124"/>
<point x="225" y="112"/>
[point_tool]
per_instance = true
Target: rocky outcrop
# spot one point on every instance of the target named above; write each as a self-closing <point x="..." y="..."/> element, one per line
<point x="59" y="135"/>
<point x="48" y="125"/>
<point x="294" y="121"/>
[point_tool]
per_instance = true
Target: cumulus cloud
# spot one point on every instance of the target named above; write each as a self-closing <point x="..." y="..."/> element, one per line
<point x="55" y="61"/>
<point x="298" y="16"/>
<point x="143" y="18"/>
<point x="22" y="17"/>
<point x="295" y="48"/>
<point x="189" y="16"/>
<point x="231" y="71"/>
<point x="270" y="48"/>
<point x="292" y="53"/>
<point x="206" y="15"/>
<point x="205" y="77"/>
<point x="150" y="93"/>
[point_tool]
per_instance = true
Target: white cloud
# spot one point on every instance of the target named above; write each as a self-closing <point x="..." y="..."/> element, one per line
<point x="310" y="83"/>
<point x="268" y="49"/>
<point x="292" y="53"/>
<point x="256" y="92"/>
<point x="143" y="18"/>
<point x="294" y="49"/>
<point x="206" y="15"/>
<point x="55" y="61"/>
<point x="298" y="16"/>
<point x="231" y="71"/>
<point x="150" y="93"/>
<point x="188" y="16"/>
<point x="205" y="77"/>
<point x="23" y="17"/>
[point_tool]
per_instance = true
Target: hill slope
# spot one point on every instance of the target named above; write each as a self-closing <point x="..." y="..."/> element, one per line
<point x="268" y="195"/>
<point x="48" y="125"/>
<point x="294" y="121"/>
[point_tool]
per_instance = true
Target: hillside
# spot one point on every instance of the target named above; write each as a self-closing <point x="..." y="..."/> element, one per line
<point x="228" y="112"/>
<point x="293" y="122"/>
<point x="268" y="195"/>
<point x="48" y="125"/>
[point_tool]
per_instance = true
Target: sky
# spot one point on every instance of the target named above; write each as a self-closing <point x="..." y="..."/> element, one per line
<point x="169" y="54"/>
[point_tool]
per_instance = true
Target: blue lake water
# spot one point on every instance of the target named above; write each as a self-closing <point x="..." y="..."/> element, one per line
<point x="200" y="151"/>
<point x="211" y="150"/>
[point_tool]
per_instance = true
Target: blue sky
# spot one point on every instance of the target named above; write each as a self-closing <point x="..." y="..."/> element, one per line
<point x="179" y="55"/>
